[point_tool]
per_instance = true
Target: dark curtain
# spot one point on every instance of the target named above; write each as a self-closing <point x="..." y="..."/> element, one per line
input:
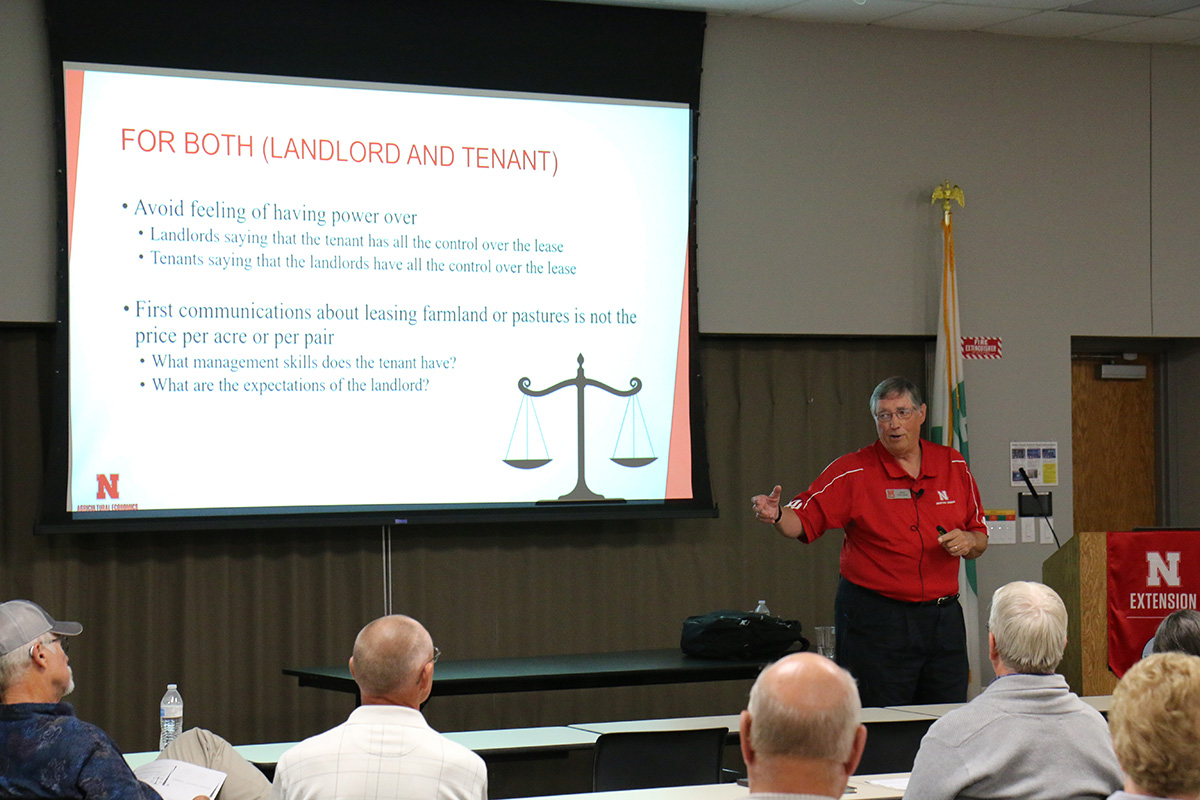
<point x="221" y="613"/>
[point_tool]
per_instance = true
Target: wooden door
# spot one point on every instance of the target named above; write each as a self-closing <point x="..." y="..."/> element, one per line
<point x="1113" y="438"/>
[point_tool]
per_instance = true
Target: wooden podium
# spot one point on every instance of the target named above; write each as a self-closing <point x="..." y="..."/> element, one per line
<point x="1078" y="571"/>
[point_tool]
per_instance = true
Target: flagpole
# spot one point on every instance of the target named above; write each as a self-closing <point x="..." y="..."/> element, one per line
<point x="948" y="409"/>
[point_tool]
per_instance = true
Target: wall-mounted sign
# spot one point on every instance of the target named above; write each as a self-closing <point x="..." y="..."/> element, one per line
<point x="982" y="347"/>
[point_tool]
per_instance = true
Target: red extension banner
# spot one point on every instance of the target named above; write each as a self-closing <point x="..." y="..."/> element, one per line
<point x="1150" y="574"/>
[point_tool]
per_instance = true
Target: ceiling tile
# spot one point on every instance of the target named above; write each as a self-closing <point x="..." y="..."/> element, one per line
<point x="846" y="11"/>
<point x="1159" y="31"/>
<point x="1047" y="18"/>
<point x="953" y="17"/>
<point x="1133" y="8"/>
<point x="1059" y="24"/>
<point x="1035" y="5"/>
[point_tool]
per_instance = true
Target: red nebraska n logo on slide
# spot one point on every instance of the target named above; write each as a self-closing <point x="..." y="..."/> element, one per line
<point x="107" y="484"/>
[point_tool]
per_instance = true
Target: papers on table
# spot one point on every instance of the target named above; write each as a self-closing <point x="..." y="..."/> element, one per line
<point x="179" y="780"/>
<point x="899" y="784"/>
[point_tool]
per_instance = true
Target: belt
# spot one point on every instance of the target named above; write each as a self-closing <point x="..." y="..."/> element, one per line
<point x="941" y="601"/>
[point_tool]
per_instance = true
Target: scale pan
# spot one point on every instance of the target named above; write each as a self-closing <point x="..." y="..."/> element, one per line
<point x="527" y="463"/>
<point x="635" y="462"/>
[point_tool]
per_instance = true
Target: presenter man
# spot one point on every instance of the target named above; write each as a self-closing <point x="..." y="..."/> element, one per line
<point x="910" y="510"/>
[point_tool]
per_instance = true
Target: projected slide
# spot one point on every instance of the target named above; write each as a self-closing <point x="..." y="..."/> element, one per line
<point x="297" y="295"/>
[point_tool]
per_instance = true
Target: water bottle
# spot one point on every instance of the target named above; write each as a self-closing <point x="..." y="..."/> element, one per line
<point x="761" y="608"/>
<point x="170" y="716"/>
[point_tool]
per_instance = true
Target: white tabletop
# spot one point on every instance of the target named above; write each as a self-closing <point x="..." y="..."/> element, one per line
<point x="930" y="710"/>
<point x="864" y="787"/>
<point x="730" y="721"/>
<point x="869" y="787"/>
<point x="897" y="714"/>
<point x="135" y="760"/>
<point x="1100" y="702"/>
<point x="733" y="721"/>
<point x="516" y="740"/>
<point x="508" y="740"/>
<point x="711" y="791"/>
<point x="254" y="753"/>
<point x="263" y="753"/>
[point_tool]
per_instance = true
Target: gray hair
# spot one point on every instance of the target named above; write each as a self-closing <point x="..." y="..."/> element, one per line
<point x="1179" y="632"/>
<point x="896" y="385"/>
<point x="14" y="663"/>
<point x="1029" y="622"/>
<point x="780" y="729"/>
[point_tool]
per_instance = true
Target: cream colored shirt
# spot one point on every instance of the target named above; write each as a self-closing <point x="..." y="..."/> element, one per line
<point x="381" y="753"/>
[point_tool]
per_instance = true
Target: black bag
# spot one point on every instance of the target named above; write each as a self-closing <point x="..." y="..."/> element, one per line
<point x="739" y="634"/>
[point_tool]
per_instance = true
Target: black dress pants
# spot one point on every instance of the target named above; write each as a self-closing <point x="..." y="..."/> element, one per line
<point x="901" y="653"/>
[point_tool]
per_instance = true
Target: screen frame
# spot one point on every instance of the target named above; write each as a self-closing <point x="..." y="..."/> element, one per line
<point x="658" y="54"/>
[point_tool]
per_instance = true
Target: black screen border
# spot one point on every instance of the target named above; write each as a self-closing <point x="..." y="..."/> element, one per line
<point x="506" y="45"/>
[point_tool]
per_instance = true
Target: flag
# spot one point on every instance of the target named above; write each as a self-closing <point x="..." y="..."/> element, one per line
<point x="948" y="413"/>
<point x="947" y="401"/>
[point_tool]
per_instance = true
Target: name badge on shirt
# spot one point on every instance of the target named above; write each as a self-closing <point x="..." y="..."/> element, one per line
<point x="899" y="494"/>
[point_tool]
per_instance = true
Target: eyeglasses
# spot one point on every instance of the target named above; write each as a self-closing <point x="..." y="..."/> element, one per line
<point x="436" y="655"/>
<point x="902" y="413"/>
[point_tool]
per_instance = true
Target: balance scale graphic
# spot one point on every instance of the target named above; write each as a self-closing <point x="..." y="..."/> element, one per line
<point x="627" y="433"/>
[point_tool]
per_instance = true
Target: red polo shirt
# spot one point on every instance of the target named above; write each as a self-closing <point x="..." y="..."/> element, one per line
<point x="891" y="518"/>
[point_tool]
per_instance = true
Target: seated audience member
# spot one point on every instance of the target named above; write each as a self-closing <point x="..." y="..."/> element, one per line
<point x="800" y="733"/>
<point x="1179" y="633"/>
<point x="1155" y="722"/>
<point x="1026" y="735"/>
<point x="385" y="750"/>
<point x="49" y="752"/>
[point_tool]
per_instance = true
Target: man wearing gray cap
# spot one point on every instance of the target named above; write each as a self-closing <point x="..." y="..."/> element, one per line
<point x="49" y="752"/>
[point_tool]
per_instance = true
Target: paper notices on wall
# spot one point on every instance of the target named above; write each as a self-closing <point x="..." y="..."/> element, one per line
<point x="1039" y="459"/>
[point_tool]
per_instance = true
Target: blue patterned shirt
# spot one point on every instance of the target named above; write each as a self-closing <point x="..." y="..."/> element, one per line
<point x="47" y="751"/>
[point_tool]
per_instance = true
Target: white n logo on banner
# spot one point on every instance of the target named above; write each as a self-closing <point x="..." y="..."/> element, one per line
<point x="1161" y="570"/>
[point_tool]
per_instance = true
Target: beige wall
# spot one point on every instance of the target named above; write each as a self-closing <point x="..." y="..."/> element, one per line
<point x="27" y="203"/>
<point x="820" y="146"/>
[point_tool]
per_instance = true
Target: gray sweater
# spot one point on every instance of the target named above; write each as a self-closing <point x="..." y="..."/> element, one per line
<point x="1025" y="736"/>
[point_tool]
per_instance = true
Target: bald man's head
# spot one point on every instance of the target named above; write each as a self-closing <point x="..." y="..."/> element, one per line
<point x="804" y="706"/>
<point x="389" y="655"/>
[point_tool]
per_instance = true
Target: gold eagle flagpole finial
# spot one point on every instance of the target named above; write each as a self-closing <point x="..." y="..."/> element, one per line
<point x="947" y="193"/>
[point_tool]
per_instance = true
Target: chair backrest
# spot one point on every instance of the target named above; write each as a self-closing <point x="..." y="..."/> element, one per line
<point x="649" y="759"/>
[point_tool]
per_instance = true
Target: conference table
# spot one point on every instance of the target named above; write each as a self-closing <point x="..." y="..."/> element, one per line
<point x="893" y="734"/>
<point x="862" y="787"/>
<point x="1100" y="702"/>
<point x="540" y="673"/>
<point x="550" y="740"/>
